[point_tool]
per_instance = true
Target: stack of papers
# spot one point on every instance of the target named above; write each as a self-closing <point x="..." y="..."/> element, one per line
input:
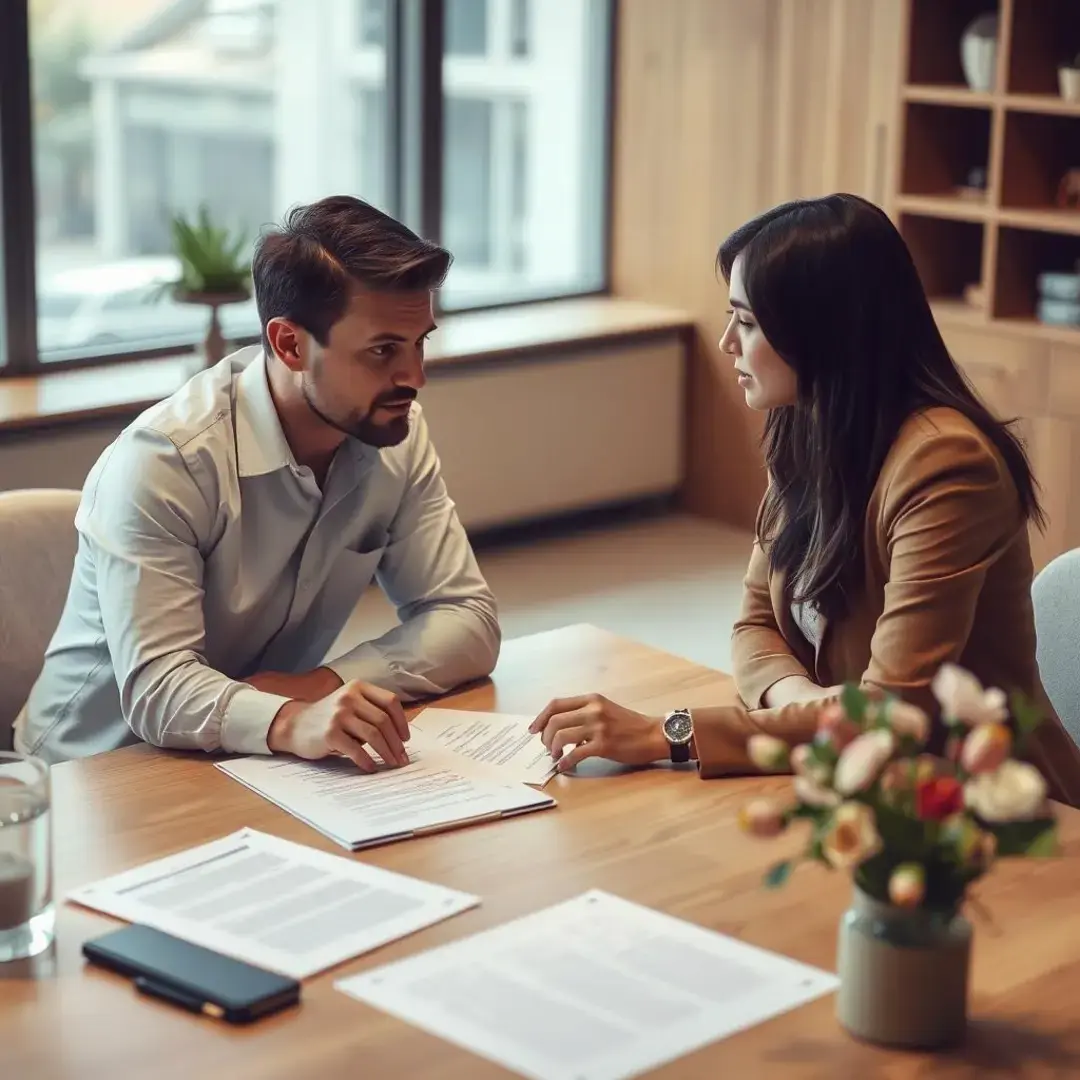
<point x="464" y="768"/>
<point x="595" y="988"/>
<point x="272" y="903"/>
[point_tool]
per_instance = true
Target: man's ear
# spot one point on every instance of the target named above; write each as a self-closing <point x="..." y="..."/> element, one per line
<point x="286" y="342"/>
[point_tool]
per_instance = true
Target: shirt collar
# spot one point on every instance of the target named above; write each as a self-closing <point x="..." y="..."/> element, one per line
<point x="261" y="446"/>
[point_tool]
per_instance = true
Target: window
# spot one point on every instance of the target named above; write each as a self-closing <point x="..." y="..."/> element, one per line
<point x="143" y="109"/>
<point x="466" y="27"/>
<point x="146" y="108"/>
<point x="524" y="170"/>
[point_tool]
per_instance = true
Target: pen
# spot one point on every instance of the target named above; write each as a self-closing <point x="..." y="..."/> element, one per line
<point x="173" y="996"/>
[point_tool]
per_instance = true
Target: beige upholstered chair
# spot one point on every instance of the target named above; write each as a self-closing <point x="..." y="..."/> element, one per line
<point x="37" y="552"/>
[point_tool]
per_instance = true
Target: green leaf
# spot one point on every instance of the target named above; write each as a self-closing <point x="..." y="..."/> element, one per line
<point x="778" y="874"/>
<point x="854" y="702"/>
<point x="1037" y="839"/>
<point x="1026" y="715"/>
<point x="1045" y="845"/>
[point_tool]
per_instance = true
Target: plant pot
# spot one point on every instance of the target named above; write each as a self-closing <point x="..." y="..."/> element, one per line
<point x="903" y="975"/>
<point x="1069" y="82"/>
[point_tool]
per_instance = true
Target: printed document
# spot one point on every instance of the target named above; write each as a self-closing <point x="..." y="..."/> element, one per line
<point x="497" y="740"/>
<point x="437" y="790"/>
<point x="595" y="988"/>
<point x="272" y="903"/>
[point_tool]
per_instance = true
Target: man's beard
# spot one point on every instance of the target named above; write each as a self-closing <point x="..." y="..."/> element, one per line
<point x="365" y="428"/>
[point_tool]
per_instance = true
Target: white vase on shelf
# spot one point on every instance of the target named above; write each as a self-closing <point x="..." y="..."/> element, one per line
<point x="1069" y="82"/>
<point x="978" y="53"/>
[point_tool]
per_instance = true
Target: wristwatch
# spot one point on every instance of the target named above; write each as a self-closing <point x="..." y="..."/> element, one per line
<point x="678" y="729"/>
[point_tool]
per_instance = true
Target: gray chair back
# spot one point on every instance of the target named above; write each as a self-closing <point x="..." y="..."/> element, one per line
<point x="1056" y="597"/>
<point x="37" y="553"/>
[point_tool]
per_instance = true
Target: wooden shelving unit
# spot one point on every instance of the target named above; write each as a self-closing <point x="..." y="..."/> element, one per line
<point x="1022" y="135"/>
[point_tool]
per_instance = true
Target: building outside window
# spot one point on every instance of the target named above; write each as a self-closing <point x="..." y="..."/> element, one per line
<point x="147" y="108"/>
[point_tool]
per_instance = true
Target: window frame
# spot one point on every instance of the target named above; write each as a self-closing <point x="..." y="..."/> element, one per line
<point x="414" y="165"/>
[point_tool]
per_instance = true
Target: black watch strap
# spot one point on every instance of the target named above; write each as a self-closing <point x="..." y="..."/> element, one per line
<point x="680" y="753"/>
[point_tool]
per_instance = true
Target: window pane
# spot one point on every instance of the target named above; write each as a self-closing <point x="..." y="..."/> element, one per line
<point x="148" y="108"/>
<point x="524" y="170"/>
<point x="466" y="26"/>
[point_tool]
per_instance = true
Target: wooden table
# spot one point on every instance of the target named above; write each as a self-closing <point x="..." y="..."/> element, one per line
<point x="661" y="837"/>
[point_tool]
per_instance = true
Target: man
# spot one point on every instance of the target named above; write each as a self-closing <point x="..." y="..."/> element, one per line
<point x="226" y="535"/>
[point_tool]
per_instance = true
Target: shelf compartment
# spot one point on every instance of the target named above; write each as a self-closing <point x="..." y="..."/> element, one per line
<point x="1024" y="254"/>
<point x="948" y="254"/>
<point x="942" y="144"/>
<point x="1039" y="150"/>
<point x="937" y="27"/>
<point x="1045" y="34"/>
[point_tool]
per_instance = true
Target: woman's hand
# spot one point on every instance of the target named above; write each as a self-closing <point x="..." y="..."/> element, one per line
<point x="596" y="727"/>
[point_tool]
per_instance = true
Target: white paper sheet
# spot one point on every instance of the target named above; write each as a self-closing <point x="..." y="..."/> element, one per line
<point x="273" y="903"/>
<point x="596" y="988"/>
<point x="496" y="740"/>
<point x="356" y="809"/>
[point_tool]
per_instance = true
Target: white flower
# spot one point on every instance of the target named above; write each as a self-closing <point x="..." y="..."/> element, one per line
<point x="809" y="792"/>
<point x="963" y="699"/>
<point x="852" y="837"/>
<point x="908" y="721"/>
<point x="863" y="760"/>
<point x="1014" y="792"/>
<point x="768" y="753"/>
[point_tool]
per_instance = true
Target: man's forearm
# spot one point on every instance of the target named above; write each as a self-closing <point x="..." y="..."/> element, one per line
<point x="431" y="653"/>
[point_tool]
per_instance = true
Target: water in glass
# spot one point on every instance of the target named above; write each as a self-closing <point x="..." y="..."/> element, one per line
<point x="26" y="904"/>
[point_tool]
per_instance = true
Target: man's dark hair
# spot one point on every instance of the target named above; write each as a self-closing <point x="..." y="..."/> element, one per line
<point x="305" y="269"/>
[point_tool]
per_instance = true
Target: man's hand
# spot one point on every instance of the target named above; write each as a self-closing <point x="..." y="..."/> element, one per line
<point x="596" y="727"/>
<point x="307" y="686"/>
<point x="343" y="722"/>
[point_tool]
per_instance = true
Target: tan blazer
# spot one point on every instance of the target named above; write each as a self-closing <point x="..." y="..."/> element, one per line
<point x="947" y="577"/>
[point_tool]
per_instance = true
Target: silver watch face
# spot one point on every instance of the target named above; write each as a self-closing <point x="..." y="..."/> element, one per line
<point x="678" y="727"/>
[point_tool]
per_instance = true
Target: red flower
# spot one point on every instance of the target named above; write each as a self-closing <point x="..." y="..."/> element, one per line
<point x="937" y="797"/>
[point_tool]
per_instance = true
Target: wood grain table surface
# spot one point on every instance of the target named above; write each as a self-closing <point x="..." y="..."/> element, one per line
<point x="660" y="836"/>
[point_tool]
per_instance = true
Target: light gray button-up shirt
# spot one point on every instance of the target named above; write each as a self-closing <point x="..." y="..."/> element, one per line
<point x="207" y="554"/>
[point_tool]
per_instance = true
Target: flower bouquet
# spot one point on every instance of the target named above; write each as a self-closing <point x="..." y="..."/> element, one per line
<point x="916" y="830"/>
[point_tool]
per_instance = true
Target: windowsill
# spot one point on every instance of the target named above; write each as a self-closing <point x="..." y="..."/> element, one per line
<point x="125" y="389"/>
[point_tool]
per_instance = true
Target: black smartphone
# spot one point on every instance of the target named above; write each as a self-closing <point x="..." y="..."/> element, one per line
<point x="191" y="977"/>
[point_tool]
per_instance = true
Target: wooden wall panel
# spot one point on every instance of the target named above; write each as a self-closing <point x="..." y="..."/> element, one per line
<point x="724" y="108"/>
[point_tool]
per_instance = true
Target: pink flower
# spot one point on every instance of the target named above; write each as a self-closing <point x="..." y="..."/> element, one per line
<point x="907" y="885"/>
<point x="908" y="721"/>
<point x="768" y="753"/>
<point x="835" y="727"/>
<point x="985" y="748"/>
<point x="898" y="777"/>
<point x="852" y="836"/>
<point x="963" y="699"/>
<point x="761" y="818"/>
<point x="863" y="760"/>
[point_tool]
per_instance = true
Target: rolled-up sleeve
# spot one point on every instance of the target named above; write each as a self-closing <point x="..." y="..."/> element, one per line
<point x="145" y="522"/>
<point x="449" y="632"/>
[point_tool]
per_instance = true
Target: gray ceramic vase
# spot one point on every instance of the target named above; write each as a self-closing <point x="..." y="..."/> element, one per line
<point x="903" y="975"/>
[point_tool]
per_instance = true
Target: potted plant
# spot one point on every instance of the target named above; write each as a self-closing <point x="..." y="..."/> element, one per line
<point x="214" y="270"/>
<point x="916" y="831"/>
<point x="1069" y="79"/>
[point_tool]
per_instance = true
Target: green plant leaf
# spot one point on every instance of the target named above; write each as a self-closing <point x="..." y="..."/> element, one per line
<point x="854" y="702"/>
<point x="1037" y="839"/>
<point x="778" y="874"/>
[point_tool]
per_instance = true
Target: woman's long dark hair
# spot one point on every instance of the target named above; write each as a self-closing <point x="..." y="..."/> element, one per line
<point x="834" y="289"/>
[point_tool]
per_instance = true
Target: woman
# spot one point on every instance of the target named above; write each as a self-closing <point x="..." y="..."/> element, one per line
<point x="894" y="533"/>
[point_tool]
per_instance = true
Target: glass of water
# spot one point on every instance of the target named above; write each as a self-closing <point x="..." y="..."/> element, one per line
<point x="26" y="903"/>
